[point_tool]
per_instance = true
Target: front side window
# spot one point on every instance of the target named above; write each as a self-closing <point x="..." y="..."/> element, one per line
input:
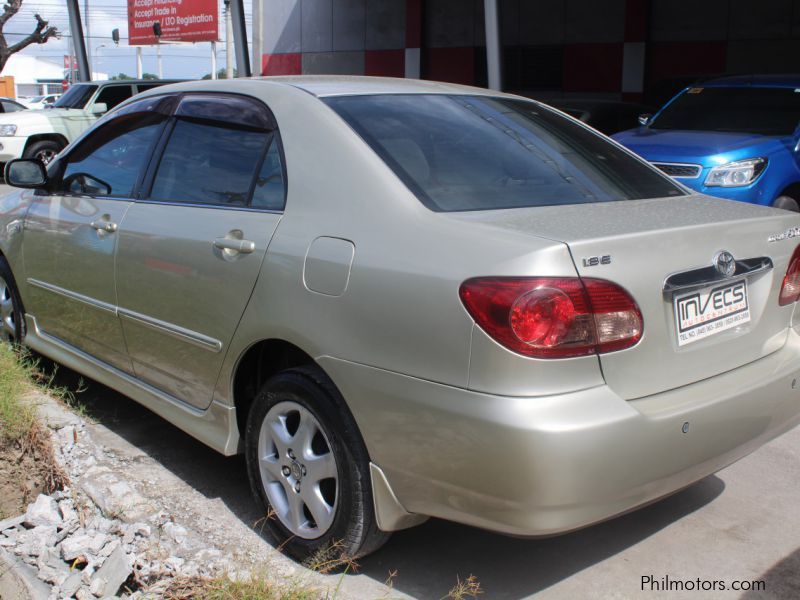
<point x="459" y="153"/>
<point x="113" y="95"/>
<point x="110" y="160"/>
<point x="766" y="111"/>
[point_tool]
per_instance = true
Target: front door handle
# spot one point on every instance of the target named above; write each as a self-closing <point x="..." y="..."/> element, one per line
<point x="107" y="226"/>
<point x="234" y="245"/>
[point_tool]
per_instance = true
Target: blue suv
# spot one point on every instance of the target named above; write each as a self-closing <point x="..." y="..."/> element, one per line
<point x="733" y="137"/>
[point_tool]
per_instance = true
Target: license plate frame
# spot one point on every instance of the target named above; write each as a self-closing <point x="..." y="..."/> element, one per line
<point x="707" y="311"/>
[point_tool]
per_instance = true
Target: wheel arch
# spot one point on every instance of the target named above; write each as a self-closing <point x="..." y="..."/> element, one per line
<point x="793" y="190"/>
<point x="46" y="137"/>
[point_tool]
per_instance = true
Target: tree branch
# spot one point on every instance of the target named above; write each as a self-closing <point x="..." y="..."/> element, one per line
<point x="9" y="10"/>
<point x="40" y="35"/>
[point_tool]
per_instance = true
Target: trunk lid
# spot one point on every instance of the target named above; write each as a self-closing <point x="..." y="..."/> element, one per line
<point x="647" y="242"/>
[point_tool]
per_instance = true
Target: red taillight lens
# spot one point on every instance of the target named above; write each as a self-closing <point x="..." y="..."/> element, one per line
<point x="553" y="317"/>
<point x="790" y="289"/>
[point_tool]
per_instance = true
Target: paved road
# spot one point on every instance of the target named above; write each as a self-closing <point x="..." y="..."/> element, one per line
<point x="741" y="524"/>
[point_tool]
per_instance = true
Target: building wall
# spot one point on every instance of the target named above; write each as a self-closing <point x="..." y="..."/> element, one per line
<point x="605" y="47"/>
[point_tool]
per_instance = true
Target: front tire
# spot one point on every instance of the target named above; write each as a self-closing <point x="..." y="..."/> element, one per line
<point x="12" y="323"/>
<point x="309" y="468"/>
<point x="44" y="151"/>
<point x="787" y="203"/>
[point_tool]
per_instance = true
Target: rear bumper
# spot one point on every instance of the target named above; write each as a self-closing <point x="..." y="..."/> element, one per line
<point x="542" y="465"/>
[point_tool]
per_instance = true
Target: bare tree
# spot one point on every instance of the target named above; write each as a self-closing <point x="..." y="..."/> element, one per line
<point x="40" y="35"/>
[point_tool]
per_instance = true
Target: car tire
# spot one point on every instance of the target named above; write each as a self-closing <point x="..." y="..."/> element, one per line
<point x="45" y="150"/>
<point x="12" y="323"/>
<point x="297" y="424"/>
<point x="787" y="203"/>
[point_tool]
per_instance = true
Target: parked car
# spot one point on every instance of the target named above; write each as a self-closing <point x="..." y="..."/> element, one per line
<point x="38" y="102"/>
<point x="732" y="137"/>
<point x="9" y="105"/>
<point x="43" y="133"/>
<point x="403" y="299"/>
<point x="607" y="116"/>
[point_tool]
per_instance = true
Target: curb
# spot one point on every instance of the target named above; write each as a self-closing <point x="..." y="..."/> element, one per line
<point x="17" y="581"/>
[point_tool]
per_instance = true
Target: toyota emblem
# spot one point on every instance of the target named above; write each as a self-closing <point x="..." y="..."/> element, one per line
<point x="724" y="263"/>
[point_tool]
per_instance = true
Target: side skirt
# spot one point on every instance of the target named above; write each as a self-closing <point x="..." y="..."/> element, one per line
<point x="216" y="426"/>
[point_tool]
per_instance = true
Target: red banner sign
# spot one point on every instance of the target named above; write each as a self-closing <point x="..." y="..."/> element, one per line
<point x="180" y="20"/>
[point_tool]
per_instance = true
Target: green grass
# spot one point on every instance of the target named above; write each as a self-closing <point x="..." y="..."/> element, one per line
<point x="17" y="418"/>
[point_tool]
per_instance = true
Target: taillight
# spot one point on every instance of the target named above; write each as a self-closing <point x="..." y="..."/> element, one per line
<point x="553" y="317"/>
<point x="790" y="289"/>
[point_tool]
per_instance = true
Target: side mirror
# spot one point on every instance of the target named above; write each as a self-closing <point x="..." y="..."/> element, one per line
<point x="99" y="108"/>
<point x="28" y="173"/>
<point x="644" y="119"/>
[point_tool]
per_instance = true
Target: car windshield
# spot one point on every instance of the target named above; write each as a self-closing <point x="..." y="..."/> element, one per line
<point x="459" y="153"/>
<point x="37" y="99"/>
<point x="767" y="111"/>
<point x="76" y="97"/>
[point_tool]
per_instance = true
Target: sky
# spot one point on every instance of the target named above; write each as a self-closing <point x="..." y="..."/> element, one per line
<point x="189" y="61"/>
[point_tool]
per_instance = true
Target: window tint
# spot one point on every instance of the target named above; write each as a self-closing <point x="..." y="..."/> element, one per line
<point x="76" y="96"/>
<point x="110" y="160"/>
<point x="207" y="162"/>
<point x="478" y="153"/>
<point x="114" y="94"/>
<point x="143" y="87"/>
<point x="270" y="191"/>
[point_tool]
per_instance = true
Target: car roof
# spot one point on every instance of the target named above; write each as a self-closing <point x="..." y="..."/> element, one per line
<point x="787" y="80"/>
<point x="125" y="81"/>
<point x="348" y="85"/>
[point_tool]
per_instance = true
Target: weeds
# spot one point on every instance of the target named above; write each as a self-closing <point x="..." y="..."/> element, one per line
<point x="469" y="588"/>
<point x="225" y="588"/>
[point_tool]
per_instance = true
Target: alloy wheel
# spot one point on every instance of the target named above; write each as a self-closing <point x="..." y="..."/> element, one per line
<point x="298" y="470"/>
<point x="8" y="324"/>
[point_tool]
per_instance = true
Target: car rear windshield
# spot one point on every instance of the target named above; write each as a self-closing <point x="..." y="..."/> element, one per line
<point x="76" y="97"/>
<point x="767" y="111"/>
<point x="460" y="153"/>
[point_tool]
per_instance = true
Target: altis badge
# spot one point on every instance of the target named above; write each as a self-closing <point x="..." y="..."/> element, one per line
<point x="792" y="232"/>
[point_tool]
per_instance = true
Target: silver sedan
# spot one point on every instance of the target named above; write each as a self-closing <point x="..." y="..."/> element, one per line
<point x="404" y="299"/>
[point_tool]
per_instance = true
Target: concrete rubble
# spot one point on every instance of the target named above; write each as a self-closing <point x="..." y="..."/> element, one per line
<point x="101" y="538"/>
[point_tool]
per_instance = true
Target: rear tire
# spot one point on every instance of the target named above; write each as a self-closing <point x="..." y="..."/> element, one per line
<point x="45" y="151"/>
<point x="787" y="203"/>
<point x="12" y="322"/>
<point x="309" y="469"/>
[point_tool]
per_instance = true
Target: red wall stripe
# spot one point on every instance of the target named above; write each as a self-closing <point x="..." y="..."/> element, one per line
<point x="281" y="64"/>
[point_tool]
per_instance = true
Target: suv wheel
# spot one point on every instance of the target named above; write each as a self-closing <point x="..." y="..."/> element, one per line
<point x="787" y="203"/>
<point x="309" y="468"/>
<point x="45" y="150"/>
<point x="12" y="328"/>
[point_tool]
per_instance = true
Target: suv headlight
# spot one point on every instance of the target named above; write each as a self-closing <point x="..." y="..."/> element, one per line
<point x="736" y="174"/>
<point x="8" y="130"/>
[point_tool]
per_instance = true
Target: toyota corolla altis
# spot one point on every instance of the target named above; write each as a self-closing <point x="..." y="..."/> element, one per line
<point x="404" y="299"/>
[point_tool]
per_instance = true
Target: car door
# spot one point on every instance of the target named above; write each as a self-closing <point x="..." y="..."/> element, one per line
<point x="71" y="233"/>
<point x="191" y="246"/>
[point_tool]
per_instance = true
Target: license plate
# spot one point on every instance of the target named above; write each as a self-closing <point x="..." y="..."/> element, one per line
<point x="708" y="311"/>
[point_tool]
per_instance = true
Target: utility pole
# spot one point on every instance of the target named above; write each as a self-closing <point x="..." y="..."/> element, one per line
<point x="493" y="45"/>
<point x="258" y="35"/>
<point x="158" y="60"/>
<point x="138" y="62"/>
<point x="228" y="41"/>
<point x="88" y="36"/>
<point x="213" y="60"/>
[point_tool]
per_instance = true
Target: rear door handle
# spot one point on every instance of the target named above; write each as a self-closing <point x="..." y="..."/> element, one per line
<point x="104" y="226"/>
<point x="234" y="245"/>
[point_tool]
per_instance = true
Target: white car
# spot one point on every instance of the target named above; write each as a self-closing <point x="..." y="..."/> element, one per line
<point x="35" y="102"/>
<point x="43" y="133"/>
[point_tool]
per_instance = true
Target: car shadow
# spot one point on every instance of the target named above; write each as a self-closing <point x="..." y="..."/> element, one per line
<point x="426" y="559"/>
<point x="781" y="581"/>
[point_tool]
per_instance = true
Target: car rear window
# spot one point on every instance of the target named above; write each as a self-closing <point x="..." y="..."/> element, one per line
<point x="768" y="111"/>
<point x="460" y="153"/>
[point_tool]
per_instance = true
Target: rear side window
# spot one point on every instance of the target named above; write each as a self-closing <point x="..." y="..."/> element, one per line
<point x="459" y="153"/>
<point x="221" y="152"/>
